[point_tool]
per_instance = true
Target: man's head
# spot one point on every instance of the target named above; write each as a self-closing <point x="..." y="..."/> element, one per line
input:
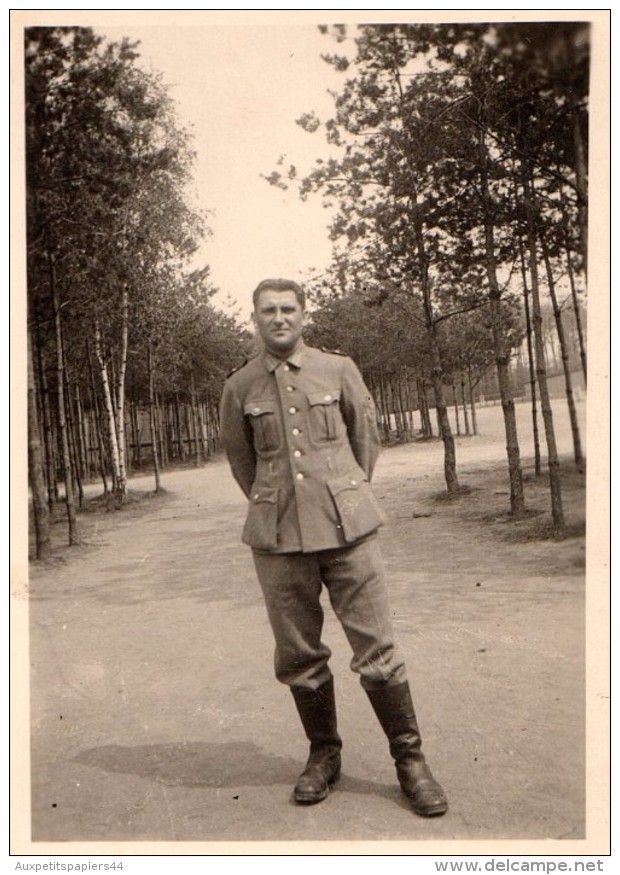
<point x="280" y="285"/>
<point x="279" y="314"/>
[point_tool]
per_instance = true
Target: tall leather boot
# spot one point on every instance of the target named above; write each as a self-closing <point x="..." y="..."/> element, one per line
<point x="394" y="708"/>
<point x="317" y="709"/>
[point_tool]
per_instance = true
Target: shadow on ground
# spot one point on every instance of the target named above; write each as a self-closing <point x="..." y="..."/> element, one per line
<point x="226" y="764"/>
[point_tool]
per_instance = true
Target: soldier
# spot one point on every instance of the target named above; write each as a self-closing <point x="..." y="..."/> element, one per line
<point x="299" y="428"/>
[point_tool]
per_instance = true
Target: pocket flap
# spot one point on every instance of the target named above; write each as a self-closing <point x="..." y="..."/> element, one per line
<point x="264" y="493"/>
<point x="353" y="480"/>
<point x="326" y="396"/>
<point x="257" y="408"/>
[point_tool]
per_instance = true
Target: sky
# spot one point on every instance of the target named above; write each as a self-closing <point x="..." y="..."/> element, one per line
<point x="239" y="89"/>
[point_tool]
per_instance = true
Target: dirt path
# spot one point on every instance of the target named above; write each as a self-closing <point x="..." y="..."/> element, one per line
<point x="155" y="715"/>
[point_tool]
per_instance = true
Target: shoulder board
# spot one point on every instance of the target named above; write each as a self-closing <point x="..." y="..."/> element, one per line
<point x="333" y="351"/>
<point x="238" y="368"/>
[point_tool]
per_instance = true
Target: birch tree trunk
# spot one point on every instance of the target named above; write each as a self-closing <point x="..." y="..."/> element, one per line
<point x="73" y="444"/>
<point x="98" y="429"/>
<point x="152" y="419"/>
<point x="121" y="485"/>
<point x="62" y="421"/>
<point x="109" y="409"/>
<point x="49" y="441"/>
<point x="35" y="467"/>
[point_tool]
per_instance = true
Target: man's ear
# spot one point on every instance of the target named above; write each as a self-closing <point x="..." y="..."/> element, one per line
<point x="306" y="318"/>
<point x="253" y="318"/>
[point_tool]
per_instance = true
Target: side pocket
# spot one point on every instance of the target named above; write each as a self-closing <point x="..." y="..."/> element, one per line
<point x="261" y="525"/>
<point x="358" y="509"/>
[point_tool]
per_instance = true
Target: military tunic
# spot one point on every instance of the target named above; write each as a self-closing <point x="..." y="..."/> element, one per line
<point x="302" y="442"/>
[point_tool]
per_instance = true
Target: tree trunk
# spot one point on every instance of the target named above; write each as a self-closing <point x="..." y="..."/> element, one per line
<point x="188" y="429"/>
<point x="530" y="359"/>
<point x="456" y="409"/>
<point x="501" y="350"/>
<point x="62" y="421"/>
<point x="179" y="423"/>
<point x="581" y="174"/>
<point x="98" y="428"/>
<point x="472" y="403"/>
<point x="152" y="419"/>
<point x="73" y="443"/>
<point x="464" y="406"/>
<point x="109" y="408"/>
<point x="404" y="407"/>
<point x="49" y="441"/>
<point x="555" y="484"/>
<point x="573" y="287"/>
<point x="161" y="433"/>
<point x="427" y="426"/>
<point x="81" y="434"/>
<point x="43" y="544"/>
<point x="577" y="312"/>
<point x="121" y="485"/>
<point x="443" y="420"/>
<point x="386" y="425"/>
<point x="570" y="399"/>
<point x="201" y="425"/>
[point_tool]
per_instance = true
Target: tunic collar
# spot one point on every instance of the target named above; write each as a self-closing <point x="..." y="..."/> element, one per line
<point x="295" y="358"/>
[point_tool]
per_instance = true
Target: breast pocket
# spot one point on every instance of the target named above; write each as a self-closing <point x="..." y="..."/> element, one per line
<point x="326" y="423"/>
<point x="264" y="419"/>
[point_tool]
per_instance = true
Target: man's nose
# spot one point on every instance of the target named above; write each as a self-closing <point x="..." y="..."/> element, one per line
<point x="279" y="317"/>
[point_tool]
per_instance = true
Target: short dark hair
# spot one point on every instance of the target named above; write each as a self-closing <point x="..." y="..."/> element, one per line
<point x="280" y="285"/>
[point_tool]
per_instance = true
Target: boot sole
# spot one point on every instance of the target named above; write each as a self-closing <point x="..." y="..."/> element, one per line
<point x="312" y="799"/>
<point x="431" y="811"/>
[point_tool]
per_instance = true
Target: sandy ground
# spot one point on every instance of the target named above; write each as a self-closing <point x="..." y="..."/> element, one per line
<point x="155" y="715"/>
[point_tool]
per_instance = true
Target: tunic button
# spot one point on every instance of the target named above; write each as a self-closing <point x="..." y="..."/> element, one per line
<point x="290" y="388"/>
<point x="257" y="496"/>
<point x="353" y="482"/>
<point x="292" y="410"/>
<point x="286" y="368"/>
<point x="327" y="397"/>
<point x="297" y="453"/>
<point x="256" y="410"/>
<point x="299" y="476"/>
<point x="295" y="431"/>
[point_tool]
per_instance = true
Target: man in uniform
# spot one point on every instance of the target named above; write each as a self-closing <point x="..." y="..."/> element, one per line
<point x="299" y="429"/>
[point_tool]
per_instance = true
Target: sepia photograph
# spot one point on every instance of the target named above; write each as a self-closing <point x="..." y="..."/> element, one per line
<point x="310" y="505"/>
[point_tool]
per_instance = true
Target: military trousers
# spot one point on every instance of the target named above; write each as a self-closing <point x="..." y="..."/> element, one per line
<point x="354" y="578"/>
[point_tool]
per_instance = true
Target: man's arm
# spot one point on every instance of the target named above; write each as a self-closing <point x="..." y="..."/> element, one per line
<point x="237" y="440"/>
<point x="358" y="410"/>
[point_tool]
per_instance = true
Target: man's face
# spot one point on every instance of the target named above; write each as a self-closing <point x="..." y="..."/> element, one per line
<point x="279" y="318"/>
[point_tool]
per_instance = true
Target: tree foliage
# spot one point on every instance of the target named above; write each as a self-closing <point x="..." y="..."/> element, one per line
<point x="111" y="232"/>
<point x="452" y="144"/>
